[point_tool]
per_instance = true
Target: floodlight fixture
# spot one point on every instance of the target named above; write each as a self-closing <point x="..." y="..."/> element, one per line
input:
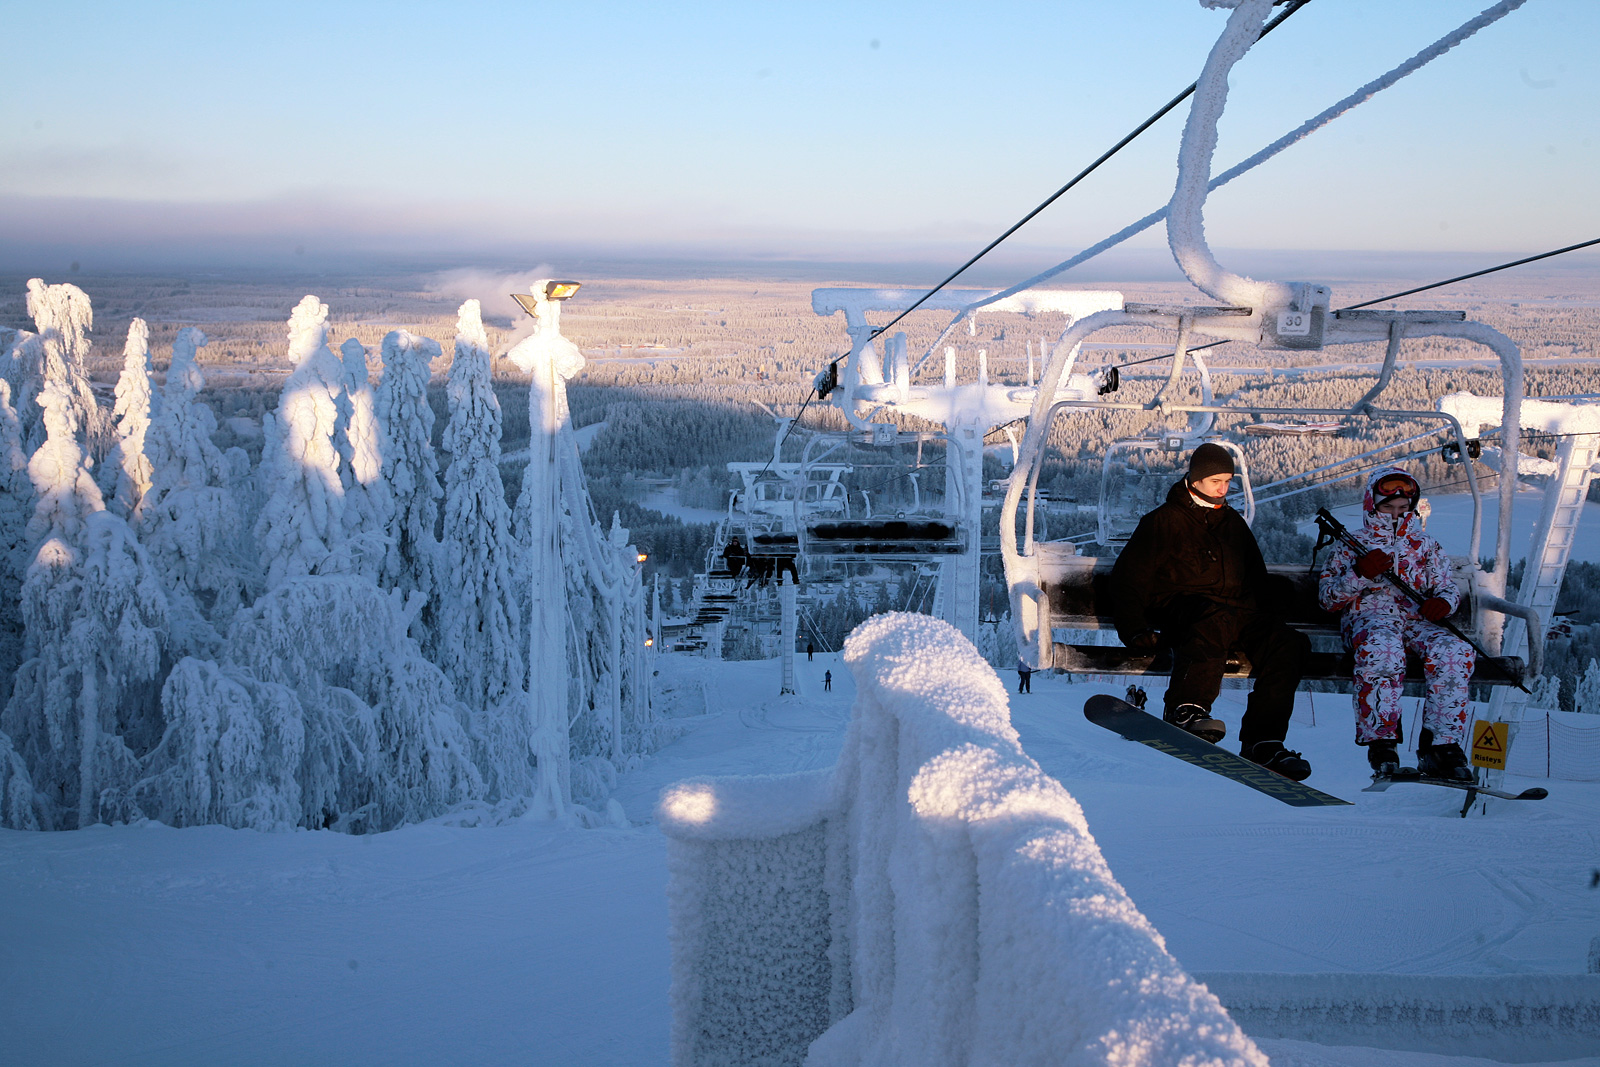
<point x="560" y="290"/>
<point x="642" y="557"/>
<point x="527" y="301"/>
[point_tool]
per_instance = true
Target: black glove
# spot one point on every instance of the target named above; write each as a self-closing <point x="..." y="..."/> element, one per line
<point x="1144" y="641"/>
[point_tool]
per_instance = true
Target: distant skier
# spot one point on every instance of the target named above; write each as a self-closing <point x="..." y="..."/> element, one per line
<point x="1137" y="696"/>
<point x="1024" y="677"/>
<point x="827" y="681"/>
<point x="811" y="651"/>
<point x="1380" y="623"/>
<point x="1192" y="579"/>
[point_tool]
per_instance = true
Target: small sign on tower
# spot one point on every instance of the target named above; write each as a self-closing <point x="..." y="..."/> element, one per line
<point x="1489" y="744"/>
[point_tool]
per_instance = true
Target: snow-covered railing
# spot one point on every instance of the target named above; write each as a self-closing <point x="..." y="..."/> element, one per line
<point x="933" y="899"/>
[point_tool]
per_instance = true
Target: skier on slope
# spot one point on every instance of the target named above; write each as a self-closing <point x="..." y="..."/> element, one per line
<point x="1380" y="623"/>
<point x="1192" y="579"/>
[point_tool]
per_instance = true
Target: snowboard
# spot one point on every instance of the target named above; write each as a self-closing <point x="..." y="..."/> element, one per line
<point x="1382" y="782"/>
<point x="1123" y="718"/>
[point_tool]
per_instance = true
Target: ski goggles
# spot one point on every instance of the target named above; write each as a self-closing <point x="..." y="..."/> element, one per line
<point x="1392" y="485"/>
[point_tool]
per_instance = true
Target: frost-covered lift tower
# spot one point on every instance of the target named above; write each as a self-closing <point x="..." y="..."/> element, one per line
<point x="554" y="483"/>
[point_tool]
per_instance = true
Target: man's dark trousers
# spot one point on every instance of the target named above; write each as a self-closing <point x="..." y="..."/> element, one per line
<point x="1203" y="631"/>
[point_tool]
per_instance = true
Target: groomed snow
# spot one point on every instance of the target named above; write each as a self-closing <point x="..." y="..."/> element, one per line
<point x="532" y="945"/>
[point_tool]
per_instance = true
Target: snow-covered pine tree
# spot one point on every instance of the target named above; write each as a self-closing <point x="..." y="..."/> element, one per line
<point x="411" y="473"/>
<point x="231" y="752"/>
<point x="64" y="318"/>
<point x="18" y="810"/>
<point x="480" y="631"/>
<point x="125" y="477"/>
<point x="16" y="505"/>
<point x="95" y="618"/>
<point x="191" y="527"/>
<point x="65" y="494"/>
<point x="1546" y="693"/>
<point x="1586" y="698"/>
<point x="368" y="504"/>
<point x="384" y="735"/>
<point x="301" y="526"/>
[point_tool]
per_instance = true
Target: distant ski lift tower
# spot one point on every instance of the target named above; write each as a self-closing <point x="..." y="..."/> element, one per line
<point x="873" y="381"/>
<point x="549" y="359"/>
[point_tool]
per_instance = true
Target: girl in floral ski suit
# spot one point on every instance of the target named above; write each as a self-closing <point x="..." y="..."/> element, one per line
<point x="1380" y="623"/>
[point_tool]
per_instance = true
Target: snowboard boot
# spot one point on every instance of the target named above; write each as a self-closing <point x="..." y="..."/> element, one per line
<point x="1383" y="759"/>
<point x="1444" y="761"/>
<point x="1198" y="721"/>
<point x="1274" y="757"/>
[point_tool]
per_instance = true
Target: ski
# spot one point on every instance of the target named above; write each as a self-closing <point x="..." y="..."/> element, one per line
<point x="1123" y="718"/>
<point x="1383" y="782"/>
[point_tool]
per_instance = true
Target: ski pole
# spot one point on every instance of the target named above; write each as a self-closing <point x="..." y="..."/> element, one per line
<point x="1338" y="531"/>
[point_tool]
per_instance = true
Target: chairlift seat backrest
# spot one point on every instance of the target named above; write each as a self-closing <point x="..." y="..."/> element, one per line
<point x="1081" y="602"/>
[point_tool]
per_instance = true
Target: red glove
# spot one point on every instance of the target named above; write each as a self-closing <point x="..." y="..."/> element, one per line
<point x="1435" y="609"/>
<point x="1374" y="563"/>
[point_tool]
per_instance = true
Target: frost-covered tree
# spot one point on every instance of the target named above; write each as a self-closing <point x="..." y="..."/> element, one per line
<point x="64" y="318"/>
<point x="125" y="478"/>
<point x="65" y="495"/>
<point x="16" y="506"/>
<point x="191" y="526"/>
<point x="479" y="642"/>
<point x="1586" y="698"/>
<point x="301" y="526"/>
<point x="1546" y="693"/>
<point x="411" y="473"/>
<point x="80" y="710"/>
<point x="368" y="503"/>
<point x="385" y="740"/>
<point x="231" y="752"/>
<point x="18" y="810"/>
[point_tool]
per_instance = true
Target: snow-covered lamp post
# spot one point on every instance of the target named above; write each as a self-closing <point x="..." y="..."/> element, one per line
<point x="549" y="359"/>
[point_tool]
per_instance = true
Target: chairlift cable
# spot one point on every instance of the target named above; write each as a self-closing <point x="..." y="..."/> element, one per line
<point x="1474" y="274"/>
<point x="785" y="437"/>
<point x="1291" y="7"/>
<point x="1169" y="355"/>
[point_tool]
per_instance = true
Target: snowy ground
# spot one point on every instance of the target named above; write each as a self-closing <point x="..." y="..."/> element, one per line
<point x="521" y="944"/>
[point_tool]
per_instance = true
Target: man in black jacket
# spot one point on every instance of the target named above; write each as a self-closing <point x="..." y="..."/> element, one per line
<point x="1192" y="579"/>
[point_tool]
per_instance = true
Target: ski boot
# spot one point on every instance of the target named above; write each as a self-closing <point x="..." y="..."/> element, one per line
<point x="1274" y="757"/>
<point x="1383" y="759"/>
<point x="1443" y="761"/>
<point x="1198" y="721"/>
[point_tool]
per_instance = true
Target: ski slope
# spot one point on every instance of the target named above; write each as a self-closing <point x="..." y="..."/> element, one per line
<point x="516" y="943"/>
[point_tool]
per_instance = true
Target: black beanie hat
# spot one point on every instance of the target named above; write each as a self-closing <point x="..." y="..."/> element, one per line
<point x="1209" y="459"/>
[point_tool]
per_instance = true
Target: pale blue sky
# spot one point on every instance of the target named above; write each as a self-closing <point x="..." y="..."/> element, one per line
<point x="841" y="130"/>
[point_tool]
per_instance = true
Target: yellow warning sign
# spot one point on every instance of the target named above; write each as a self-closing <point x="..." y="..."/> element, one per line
<point x="1489" y="745"/>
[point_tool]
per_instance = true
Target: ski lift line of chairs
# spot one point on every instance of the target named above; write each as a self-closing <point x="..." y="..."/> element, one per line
<point x="821" y="530"/>
<point x="1076" y="595"/>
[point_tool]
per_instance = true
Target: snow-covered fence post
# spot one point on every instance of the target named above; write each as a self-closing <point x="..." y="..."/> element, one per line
<point x="549" y="360"/>
<point x="933" y="899"/>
